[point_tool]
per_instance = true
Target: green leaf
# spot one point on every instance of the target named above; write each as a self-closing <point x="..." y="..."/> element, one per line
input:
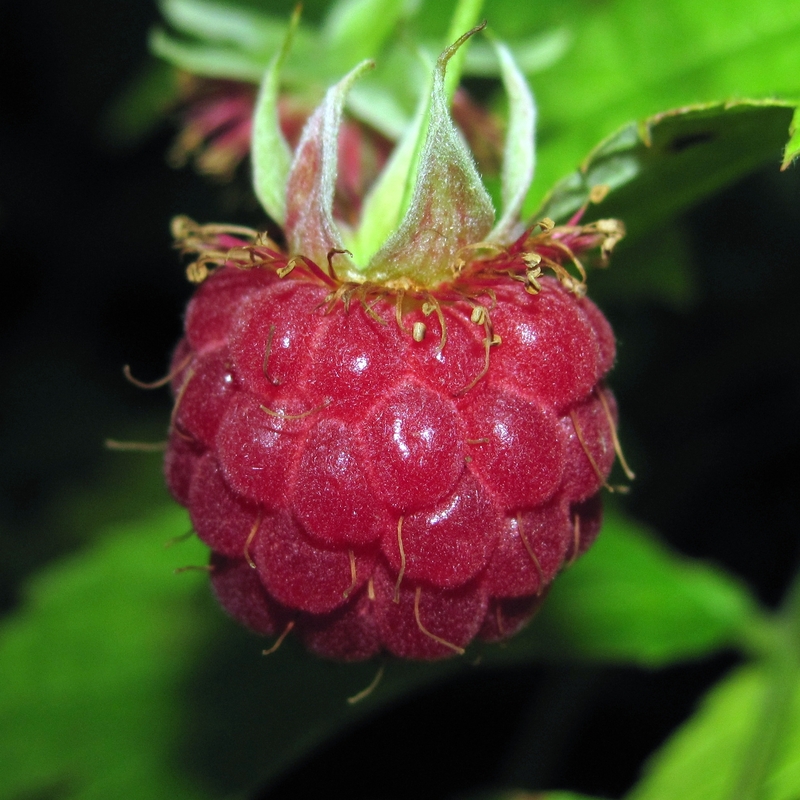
<point x="270" y="152"/>
<point x="532" y="54"/>
<point x="630" y="599"/>
<point x="743" y="742"/>
<point x="90" y="666"/>
<point x="214" y="59"/>
<point x="631" y="59"/>
<point x="792" y="151"/>
<point x="123" y="679"/>
<point x="357" y="29"/>
<point x="223" y="22"/>
<point x="667" y="162"/>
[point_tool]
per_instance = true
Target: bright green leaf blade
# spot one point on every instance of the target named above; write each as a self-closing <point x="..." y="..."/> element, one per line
<point x="672" y="160"/>
<point x="743" y="742"/>
<point x="90" y="667"/>
<point x="792" y="151"/>
<point x="531" y="55"/>
<point x="212" y="60"/>
<point x="223" y="22"/>
<point x="357" y="29"/>
<point x="114" y="654"/>
<point x="631" y="59"/>
<point x="630" y="599"/>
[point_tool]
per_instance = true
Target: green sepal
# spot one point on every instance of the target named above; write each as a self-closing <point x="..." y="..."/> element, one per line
<point x="270" y="152"/>
<point x="450" y="207"/>
<point x="310" y="188"/>
<point x="519" y="156"/>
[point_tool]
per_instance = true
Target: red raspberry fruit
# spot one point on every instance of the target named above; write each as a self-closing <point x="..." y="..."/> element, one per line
<point x="382" y="492"/>
<point x="402" y="459"/>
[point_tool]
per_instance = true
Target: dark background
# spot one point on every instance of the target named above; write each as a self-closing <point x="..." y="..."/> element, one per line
<point x="708" y="392"/>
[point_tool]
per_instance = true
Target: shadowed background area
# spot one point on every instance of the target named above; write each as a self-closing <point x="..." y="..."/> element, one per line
<point x="708" y="382"/>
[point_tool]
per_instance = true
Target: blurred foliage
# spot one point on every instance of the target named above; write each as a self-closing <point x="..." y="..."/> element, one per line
<point x="632" y="600"/>
<point x="597" y="69"/>
<point x="113" y="653"/>
<point x="594" y="66"/>
<point x="744" y="741"/>
<point x="122" y="678"/>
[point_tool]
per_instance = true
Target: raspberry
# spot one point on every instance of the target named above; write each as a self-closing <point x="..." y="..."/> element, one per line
<point x="396" y="461"/>
<point x="343" y="460"/>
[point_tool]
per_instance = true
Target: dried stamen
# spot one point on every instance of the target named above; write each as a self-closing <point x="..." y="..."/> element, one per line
<point x="284" y="415"/>
<point x="585" y="447"/>
<point x="176" y="405"/>
<point x="499" y="620"/>
<point x="576" y="539"/>
<point x="398" y="310"/>
<point x="396" y="597"/>
<point x="489" y="341"/>
<point x="265" y="362"/>
<point x="431" y="306"/>
<point x="364" y="693"/>
<point x="353" y="577"/>
<point x="279" y="640"/>
<point x="369" y="308"/>
<point x="535" y="560"/>
<point x="331" y="254"/>
<point x="194" y="568"/>
<point x="454" y="647"/>
<point x="178" y="539"/>
<point x="126" y="370"/>
<point x="617" y="446"/>
<point x="250" y="536"/>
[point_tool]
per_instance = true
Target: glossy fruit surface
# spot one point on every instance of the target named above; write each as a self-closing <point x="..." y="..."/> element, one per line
<point x="383" y="491"/>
